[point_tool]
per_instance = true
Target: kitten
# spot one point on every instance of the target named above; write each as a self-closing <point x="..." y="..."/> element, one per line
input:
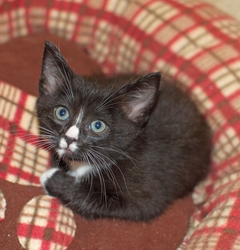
<point x="120" y="148"/>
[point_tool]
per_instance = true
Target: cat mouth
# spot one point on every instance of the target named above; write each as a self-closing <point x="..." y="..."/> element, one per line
<point x="65" y="152"/>
<point x="69" y="155"/>
<point x="65" y="148"/>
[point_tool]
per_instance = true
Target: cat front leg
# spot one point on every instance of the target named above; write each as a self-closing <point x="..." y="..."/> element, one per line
<point x="91" y="203"/>
<point x="46" y="176"/>
<point x="58" y="184"/>
<point x="73" y="193"/>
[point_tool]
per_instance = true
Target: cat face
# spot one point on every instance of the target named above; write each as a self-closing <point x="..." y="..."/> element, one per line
<point x="86" y="121"/>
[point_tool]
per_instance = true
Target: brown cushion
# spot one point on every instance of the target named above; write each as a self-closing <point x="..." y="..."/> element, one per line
<point x="20" y="65"/>
<point x="21" y="58"/>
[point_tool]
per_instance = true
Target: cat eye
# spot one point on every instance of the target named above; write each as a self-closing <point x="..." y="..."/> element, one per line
<point x="62" y="113"/>
<point x="98" y="126"/>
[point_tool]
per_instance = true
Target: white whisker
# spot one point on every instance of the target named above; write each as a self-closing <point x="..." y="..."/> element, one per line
<point x="99" y="171"/>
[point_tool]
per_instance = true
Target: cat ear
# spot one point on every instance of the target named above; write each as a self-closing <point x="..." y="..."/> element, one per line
<point x="140" y="97"/>
<point x="55" y="70"/>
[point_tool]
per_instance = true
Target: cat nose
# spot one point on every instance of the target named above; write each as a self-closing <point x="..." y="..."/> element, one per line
<point x="69" y="140"/>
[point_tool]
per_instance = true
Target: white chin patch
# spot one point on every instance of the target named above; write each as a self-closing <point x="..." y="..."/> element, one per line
<point x="60" y="152"/>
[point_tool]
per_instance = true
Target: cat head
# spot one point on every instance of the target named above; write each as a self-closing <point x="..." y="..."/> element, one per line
<point x="84" y="119"/>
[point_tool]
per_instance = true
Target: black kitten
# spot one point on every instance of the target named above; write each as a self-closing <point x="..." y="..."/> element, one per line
<point x="121" y="149"/>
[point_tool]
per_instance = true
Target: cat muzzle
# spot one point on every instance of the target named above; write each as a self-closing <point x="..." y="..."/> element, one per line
<point x="69" y="140"/>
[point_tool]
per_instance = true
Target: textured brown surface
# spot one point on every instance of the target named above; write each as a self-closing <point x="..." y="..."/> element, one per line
<point x="165" y="232"/>
<point x="23" y="57"/>
<point x="16" y="196"/>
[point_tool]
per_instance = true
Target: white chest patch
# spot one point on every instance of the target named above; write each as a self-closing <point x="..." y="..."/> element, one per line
<point x="79" y="169"/>
<point x="73" y="132"/>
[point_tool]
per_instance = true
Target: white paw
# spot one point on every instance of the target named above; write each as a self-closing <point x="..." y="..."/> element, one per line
<point x="47" y="175"/>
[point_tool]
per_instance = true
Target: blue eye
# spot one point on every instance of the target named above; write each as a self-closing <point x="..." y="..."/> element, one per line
<point x="98" y="126"/>
<point x="62" y="113"/>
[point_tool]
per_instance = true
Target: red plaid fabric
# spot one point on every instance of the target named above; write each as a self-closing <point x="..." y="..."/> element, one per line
<point x="189" y="41"/>
<point x="3" y="204"/>
<point x="21" y="160"/>
<point x="49" y="225"/>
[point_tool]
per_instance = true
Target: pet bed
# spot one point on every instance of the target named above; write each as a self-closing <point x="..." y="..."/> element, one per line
<point x="189" y="41"/>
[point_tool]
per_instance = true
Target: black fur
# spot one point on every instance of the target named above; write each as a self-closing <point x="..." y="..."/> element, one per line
<point x="155" y="149"/>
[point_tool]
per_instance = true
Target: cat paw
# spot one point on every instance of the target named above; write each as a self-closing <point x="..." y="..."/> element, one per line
<point x="46" y="176"/>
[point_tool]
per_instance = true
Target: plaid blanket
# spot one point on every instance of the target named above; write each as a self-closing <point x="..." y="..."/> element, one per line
<point x="187" y="40"/>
